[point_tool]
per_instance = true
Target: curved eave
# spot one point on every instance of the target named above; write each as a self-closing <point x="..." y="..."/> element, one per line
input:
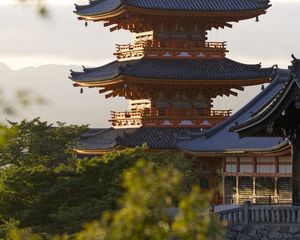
<point x="98" y="83"/>
<point x="263" y="116"/>
<point x="119" y="10"/>
<point x="96" y="151"/>
<point x="163" y="81"/>
<point x="279" y="150"/>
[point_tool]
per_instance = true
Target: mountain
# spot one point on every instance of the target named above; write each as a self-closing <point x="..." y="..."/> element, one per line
<point x="4" y="68"/>
<point x="64" y="103"/>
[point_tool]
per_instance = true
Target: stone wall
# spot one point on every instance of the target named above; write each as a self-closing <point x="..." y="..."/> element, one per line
<point x="263" y="232"/>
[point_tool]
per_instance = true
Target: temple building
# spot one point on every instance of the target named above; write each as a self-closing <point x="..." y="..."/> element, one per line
<point x="256" y="169"/>
<point x="170" y="75"/>
<point x="281" y="117"/>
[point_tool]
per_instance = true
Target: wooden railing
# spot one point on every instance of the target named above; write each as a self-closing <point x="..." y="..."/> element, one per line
<point x="169" y="44"/>
<point x="248" y="214"/>
<point x="171" y="112"/>
<point x="139" y="47"/>
<point x="126" y="119"/>
<point x="157" y="116"/>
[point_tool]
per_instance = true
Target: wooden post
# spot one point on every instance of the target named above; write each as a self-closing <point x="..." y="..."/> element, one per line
<point x="237" y="190"/>
<point x="254" y="189"/>
<point x="296" y="170"/>
<point x="246" y="212"/>
<point x="276" y="189"/>
<point x="223" y="190"/>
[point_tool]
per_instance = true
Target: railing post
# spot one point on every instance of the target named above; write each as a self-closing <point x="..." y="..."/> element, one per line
<point x="273" y="216"/>
<point x="293" y="220"/>
<point x="246" y="212"/>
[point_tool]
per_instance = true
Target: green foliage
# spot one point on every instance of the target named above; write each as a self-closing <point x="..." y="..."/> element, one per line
<point x="36" y="142"/>
<point x="24" y="234"/>
<point x="194" y="220"/>
<point x="49" y="191"/>
<point x="40" y="4"/>
<point x="151" y="191"/>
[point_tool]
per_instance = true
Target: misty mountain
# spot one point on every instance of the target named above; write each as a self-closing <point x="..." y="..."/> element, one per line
<point x="4" y="68"/>
<point x="64" y="103"/>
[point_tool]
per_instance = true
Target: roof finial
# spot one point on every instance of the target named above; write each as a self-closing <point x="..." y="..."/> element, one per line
<point x="293" y="56"/>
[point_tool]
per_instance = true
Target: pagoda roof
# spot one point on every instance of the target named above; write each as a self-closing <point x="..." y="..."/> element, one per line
<point x="101" y="7"/>
<point x="173" y="69"/>
<point x="217" y="140"/>
<point x="272" y="112"/>
<point x="97" y="140"/>
<point x="221" y="140"/>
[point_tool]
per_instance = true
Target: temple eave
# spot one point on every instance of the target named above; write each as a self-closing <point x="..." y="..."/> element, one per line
<point x="279" y="150"/>
<point x="83" y="151"/>
<point x="163" y="81"/>
<point x="230" y="15"/>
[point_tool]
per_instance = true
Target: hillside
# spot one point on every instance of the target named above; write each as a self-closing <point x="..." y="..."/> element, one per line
<point x="64" y="102"/>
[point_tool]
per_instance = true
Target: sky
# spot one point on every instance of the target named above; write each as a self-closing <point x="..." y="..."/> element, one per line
<point x="62" y="39"/>
<point x="28" y="40"/>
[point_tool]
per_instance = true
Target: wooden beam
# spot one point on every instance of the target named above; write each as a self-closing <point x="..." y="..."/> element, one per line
<point x="228" y="25"/>
<point x="233" y="93"/>
<point x="117" y="27"/>
<point x="109" y="95"/>
<point x="239" y="88"/>
<point x="103" y="90"/>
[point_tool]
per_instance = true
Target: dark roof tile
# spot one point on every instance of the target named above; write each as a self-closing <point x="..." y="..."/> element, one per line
<point x="175" y="69"/>
<point x="97" y="7"/>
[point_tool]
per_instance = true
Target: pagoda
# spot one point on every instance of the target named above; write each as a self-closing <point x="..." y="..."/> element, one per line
<point x="171" y="73"/>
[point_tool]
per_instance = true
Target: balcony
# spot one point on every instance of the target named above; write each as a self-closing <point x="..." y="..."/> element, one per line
<point x="126" y="119"/>
<point x="192" y="49"/>
<point x="169" y="118"/>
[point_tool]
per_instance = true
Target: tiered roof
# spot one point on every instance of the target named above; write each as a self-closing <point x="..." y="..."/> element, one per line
<point x="215" y="141"/>
<point x="102" y="140"/>
<point x="137" y="15"/>
<point x="230" y="8"/>
<point x="174" y="71"/>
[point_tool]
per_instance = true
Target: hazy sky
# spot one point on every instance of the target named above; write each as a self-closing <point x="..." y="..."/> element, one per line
<point x="28" y="40"/>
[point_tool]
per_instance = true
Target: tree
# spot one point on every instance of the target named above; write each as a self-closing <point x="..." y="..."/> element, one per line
<point x="40" y="4"/>
<point x="50" y="193"/>
<point x="145" y="209"/>
<point x="39" y="143"/>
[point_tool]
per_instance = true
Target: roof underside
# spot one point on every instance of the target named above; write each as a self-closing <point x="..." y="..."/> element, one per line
<point x="174" y="69"/>
<point x="98" y="7"/>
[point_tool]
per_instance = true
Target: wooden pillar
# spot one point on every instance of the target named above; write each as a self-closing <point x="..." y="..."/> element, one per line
<point x="223" y="190"/>
<point x="276" y="190"/>
<point x="254" y="180"/>
<point x="254" y="190"/>
<point x="237" y="189"/>
<point x="223" y="178"/>
<point x="296" y="170"/>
